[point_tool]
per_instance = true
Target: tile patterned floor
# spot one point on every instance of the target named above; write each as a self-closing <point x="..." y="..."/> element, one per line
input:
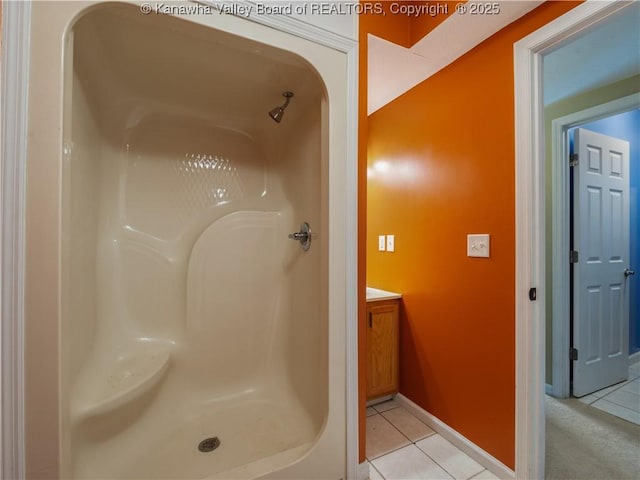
<point x="621" y="399"/>
<point x="401" y="447"/>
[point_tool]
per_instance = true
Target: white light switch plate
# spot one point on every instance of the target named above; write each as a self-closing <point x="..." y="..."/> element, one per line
<point x="478" y="245"/>
<point x="381" y="243"/>
<point x="391" y="243"/>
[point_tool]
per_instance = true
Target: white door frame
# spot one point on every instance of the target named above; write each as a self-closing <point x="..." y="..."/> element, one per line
<point x="561" y="294"/>
<point x="14" y="82"/>
<point x="530" y="226"/>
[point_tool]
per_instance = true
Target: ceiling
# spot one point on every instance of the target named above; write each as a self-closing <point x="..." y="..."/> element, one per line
<point x="604" y="54"/>
<point x="170" y="61"/>
<point x="394" y="69"/>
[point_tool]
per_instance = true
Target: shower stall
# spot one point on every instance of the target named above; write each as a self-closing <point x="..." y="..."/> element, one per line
<point x="200" y="334"/>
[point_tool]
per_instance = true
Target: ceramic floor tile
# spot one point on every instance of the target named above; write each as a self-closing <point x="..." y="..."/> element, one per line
<point x="588" y="399"/>
<point x="618" y="411"/>
<point x="409" y="463"/>
<point x="384" y="406"/>
<point x="626" y="399"/>
<point x="382" y="437"/>
<point x="449" y="457"/>
<point x="485" y="475"/>
<point x="371" y="411"/>
<point x="606" y="391"/>
<point x="410" y="426"/>
<point x="374" y="474"/>
<point x="633" y="387"/>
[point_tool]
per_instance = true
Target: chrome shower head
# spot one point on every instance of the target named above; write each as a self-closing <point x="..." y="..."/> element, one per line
<point x="278" y="112"/>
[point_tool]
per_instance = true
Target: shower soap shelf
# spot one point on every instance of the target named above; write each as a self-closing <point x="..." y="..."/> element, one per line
<point x="128" y="379"/>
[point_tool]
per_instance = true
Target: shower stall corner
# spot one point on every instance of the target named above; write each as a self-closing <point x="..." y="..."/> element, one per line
<point x="199" y="335"/>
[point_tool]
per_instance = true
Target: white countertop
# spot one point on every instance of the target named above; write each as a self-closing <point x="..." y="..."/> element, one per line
<point x="376" y="295"/>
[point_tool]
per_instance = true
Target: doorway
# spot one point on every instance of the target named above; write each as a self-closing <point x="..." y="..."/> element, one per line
<point x="615" y="290"/>
<point x="622" y="114"/>
<point x="531" y="246"/>
<point x="619" y="118"/>
<point x="616" y="119"/>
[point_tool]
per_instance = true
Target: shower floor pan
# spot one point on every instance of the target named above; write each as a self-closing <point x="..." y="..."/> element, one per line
<point x="253" y="434"/>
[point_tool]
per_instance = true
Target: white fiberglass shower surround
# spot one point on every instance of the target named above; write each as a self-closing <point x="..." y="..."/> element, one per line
<point x="196" y="339"/>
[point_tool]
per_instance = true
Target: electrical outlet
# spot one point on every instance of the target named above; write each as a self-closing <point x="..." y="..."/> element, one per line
<point x="381" y="243"/>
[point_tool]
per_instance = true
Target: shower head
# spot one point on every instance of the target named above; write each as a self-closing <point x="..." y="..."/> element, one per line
<point x="278" y="112"/>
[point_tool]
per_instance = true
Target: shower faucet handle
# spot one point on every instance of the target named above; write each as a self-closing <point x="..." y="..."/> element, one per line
<point x="303" y="236"/>
<point x="299" y="236"/>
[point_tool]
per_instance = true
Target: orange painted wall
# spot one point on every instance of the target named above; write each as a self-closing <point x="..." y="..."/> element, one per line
<point x="447" y="153"/>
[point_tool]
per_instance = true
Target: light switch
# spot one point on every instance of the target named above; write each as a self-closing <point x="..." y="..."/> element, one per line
<point x="391" y="243"/>
<point x="478" y="245"/>
<point x="381" y="243"/>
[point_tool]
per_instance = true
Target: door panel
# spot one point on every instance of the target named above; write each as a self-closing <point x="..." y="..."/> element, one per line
<point x="601" y="237"/>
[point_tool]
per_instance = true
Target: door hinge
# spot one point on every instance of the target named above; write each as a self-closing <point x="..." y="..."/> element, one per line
<point x="573" y="256"/>
<point x="573" y="160"/>
<point x="573" y="354"/>
<point x="533" y="294"/>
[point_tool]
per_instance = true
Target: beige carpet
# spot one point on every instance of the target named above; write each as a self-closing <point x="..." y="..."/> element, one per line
<point x="585" y="443"/>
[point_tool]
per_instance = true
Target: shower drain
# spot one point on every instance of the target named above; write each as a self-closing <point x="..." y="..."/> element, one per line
<point x="209" y="444"/>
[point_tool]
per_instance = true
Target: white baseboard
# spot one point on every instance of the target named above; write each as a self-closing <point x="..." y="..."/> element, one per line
<point x="548" y="389"/>
<point x="634" y="358"/>
<point x="489" y="462"/>
<point x="363" y="471"/>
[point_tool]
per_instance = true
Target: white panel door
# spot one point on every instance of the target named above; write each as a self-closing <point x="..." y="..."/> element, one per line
<point x="601" y="237"/>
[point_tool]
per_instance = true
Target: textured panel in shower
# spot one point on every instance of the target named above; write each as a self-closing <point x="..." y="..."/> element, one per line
<point x="207" y="180"/>
<point x="174" y="170"/>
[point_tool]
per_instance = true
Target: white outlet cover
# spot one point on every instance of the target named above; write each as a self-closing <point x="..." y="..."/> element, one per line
<point x="478" y="245"/>
<point x="381" y="243"/>
<point x="391" y="243"/>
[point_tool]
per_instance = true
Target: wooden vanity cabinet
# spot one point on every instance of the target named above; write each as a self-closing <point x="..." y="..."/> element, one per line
<point x="382" y="348"/>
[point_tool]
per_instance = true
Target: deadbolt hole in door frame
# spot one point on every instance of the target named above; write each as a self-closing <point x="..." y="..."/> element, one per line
<point x="562" y="233"/>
